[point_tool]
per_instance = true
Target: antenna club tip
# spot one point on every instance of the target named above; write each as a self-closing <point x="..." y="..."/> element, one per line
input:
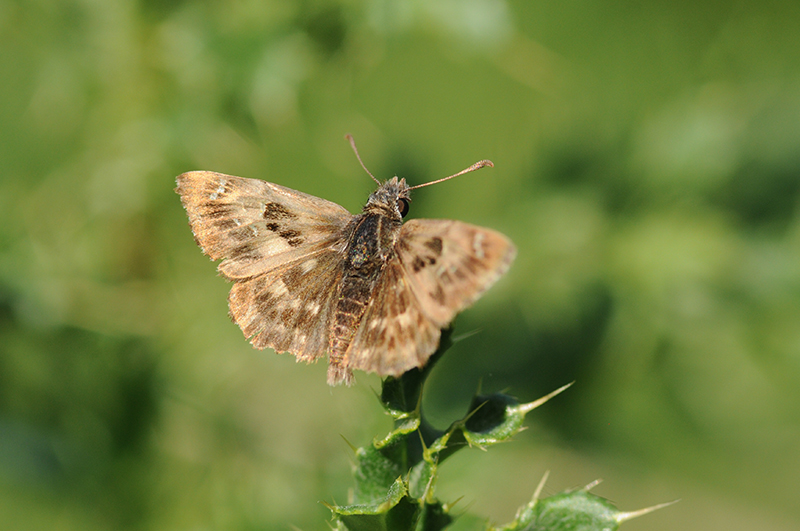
<point x="486" y="162"/>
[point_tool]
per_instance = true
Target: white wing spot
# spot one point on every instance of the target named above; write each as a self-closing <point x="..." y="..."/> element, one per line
<point x="220" y="189"/>
<point x="404" y="319"/>
<point x="308" y="265"/>
<point x="477" y="245"/>
<point x="312" y="308"/>
<point x="276" y="245"/>
<point x="279" y="289"/>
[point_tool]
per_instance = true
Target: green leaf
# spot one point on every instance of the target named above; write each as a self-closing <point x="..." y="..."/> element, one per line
<point x="396" y="511"/>
<point x="572" y="511"/>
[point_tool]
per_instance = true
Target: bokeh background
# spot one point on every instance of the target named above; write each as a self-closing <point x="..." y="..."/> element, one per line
<point x="647" y="167"/>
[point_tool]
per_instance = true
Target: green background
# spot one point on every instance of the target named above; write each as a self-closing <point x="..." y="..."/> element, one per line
<point x="647" y="167"/>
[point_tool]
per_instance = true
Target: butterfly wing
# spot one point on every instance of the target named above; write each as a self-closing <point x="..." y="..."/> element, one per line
<point x="450" y="264"/>
<point x="440" y="267"/>
<point x="255" y="226"/>
<point x="394" y="335"/>
<point x="290" y="309"/>
<point x="283" y="250"/>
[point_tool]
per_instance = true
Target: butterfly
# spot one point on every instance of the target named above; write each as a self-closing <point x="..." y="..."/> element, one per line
<point x="310" y="278"/>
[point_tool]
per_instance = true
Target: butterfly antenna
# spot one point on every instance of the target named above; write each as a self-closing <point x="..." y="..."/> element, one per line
<point x="352" y="141"/>
<point x="478" y="165"/>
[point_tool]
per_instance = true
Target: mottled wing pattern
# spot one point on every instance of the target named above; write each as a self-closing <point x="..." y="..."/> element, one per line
<point x="290" y="309"/>
<point x="449" y="264"/>
<point x="394" y="335"/>
<point x="440" y="267"/>
<point x="282" y="248"/>
<point x="256" y="226"/>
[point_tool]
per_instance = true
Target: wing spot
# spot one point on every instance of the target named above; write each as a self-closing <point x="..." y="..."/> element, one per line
<point x="438" y="295"/>
<point x="404" y="319"/>
<point x="402" y="304"/>
<point x="279" y="289"/>
<point x="216" y="211"/>
<point x="435" y="245"/>
<point x="265" y="298"/>
<point x="226" y="224"/>
<point x="247" y="251"/>
<point x="308" y="265"/>
<point x="477" y="245"/>
<point x="277" y="211"/>
<point x="292" y="237"/>
<point x="289" y="234"/>
<point x="219" y="191"/>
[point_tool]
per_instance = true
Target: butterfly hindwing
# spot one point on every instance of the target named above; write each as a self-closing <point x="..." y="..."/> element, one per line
<point x="394" y="335"/>
<point x="289" y="309"/>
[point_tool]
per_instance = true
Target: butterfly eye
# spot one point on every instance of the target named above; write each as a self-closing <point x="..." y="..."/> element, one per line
<point x="402" y="207"/>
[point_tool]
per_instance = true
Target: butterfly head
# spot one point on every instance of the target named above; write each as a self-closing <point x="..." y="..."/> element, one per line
<point x="392" y="198"/>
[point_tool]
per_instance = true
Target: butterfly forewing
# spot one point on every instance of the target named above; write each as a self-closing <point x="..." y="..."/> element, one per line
<point x="449" y="264"/>
<point x="256" y="226"/>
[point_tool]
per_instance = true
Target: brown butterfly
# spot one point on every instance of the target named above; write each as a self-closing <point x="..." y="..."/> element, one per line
<point x="309" y="277"/>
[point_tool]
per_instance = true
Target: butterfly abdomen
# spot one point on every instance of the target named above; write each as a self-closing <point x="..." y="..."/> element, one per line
<point x="367" y="251"/>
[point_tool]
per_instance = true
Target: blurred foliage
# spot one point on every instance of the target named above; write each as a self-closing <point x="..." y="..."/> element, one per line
<point x="647" y="167"/>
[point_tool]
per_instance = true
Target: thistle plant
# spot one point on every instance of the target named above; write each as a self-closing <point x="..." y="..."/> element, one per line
<point x="395" y="476"/>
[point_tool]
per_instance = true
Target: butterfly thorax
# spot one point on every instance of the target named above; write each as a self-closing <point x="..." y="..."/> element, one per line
<point x="370" y="246"/>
